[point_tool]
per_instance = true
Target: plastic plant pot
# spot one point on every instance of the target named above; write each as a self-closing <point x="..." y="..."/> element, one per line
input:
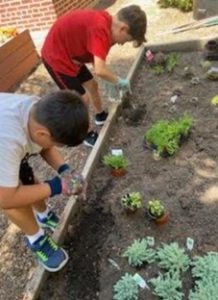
<point x="161" y="220"/>
<point x="118" y="172"/>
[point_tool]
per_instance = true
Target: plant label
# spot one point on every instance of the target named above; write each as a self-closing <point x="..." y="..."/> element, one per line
<point x="140" y="281"/>
<point x="113" y="263"/>
<point x="150" y="240"/>
<point x="117" y="152"/>
<point x="189" y="243"/>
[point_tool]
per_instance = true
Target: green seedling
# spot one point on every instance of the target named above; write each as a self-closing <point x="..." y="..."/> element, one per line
<point x="158" y="69"/>
<point x="172" y="61"/>
<point x="155" y="208"/>
<point x="132" y="200"/>
<point x="116" y="161"/>
<point x="139" y="252"/>
<point x="214" y="100"/>
<point x="126" y="288"/>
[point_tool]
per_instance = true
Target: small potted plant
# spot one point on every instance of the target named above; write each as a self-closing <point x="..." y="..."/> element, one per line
<point x="157" y="212"/>
<point x="131" y="202"/>
<point x="117" y="163"/>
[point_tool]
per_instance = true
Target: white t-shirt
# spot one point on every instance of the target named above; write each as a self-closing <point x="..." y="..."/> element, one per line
<point x="15" y="142"/>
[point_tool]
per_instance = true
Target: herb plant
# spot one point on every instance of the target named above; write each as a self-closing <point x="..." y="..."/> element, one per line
<point x="132" y="200"/>
<point x="204" y="291"/>
<point x="168" y="286"/>
<point x="139" y="253"/>
<point x="115" y="161"/>
<point x="155" y="208"/>
<point x="185" y="5"/>
<point x="158" y="69"/>
<point x="172" y="60"/>
<point x="205" y="268"/>
<point x="166" y="135"/>
<point x="173" y="258"/>
<point x="126" y="288"/>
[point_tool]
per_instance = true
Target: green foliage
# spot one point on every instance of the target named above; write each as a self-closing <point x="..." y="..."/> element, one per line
<point x="172" y="60"/>
<point x="139" y="253"/>
<point x="214" y="100"/>
<point x="116" y="161"/>
<point x="173" y="258"/>
<point x="155" y="208"/>
<point x="168" y="286"/>
<point x="166" y="135"/>
<point x="132" y="200"/>
<point x="126" y="288"/>
<point x="158" y="69"/>
<point x="185" y="5"/>
<point x="205" y="267"/>
<point x="202" y="291"/>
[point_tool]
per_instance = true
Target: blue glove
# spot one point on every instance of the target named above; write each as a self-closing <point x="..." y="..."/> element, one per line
<point x="124" y="84"/>
<point x="63" y="168"/>
<point x="55" y="186"/>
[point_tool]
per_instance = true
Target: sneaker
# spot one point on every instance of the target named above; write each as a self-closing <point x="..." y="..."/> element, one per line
<point x="48" y="253"/>
<point x="90" y="139"/>
<point x="211" y="50"/>
<point x="50" y="222"/>
<point x="101" y="118"/>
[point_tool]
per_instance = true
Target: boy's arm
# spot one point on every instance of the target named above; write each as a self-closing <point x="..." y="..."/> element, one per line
<point x="102" y="71"/>
<point x="53" y="157"/>
<point x="23" y="195"/>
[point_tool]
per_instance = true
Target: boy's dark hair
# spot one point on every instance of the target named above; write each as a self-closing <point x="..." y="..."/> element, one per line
<point x="136" y="19"/>
<point x="65" y="115"/>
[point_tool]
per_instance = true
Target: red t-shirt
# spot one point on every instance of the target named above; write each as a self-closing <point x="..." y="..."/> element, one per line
<point x="75" y="38"/>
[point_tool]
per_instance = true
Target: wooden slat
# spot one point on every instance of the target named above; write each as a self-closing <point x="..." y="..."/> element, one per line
<point x="17" y="74"/>
<point x="13" y="44"/>
<point x="14" y="59"/>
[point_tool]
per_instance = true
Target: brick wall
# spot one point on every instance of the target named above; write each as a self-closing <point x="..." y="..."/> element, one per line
<point x="36" y="15"/>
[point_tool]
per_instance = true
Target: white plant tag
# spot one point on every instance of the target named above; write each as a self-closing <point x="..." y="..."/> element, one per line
<point x="173" y="99"/>
<point x="150" y="240"/>
<point x="117" y="152"/>
<point x="189" y="243"/>
<point x="114" y="264"/>
<point x="140" y="281"/>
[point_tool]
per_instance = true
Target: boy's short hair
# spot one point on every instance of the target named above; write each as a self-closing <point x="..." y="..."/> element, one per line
<point x="136" y="19"/>
<point x="65" y="115"/>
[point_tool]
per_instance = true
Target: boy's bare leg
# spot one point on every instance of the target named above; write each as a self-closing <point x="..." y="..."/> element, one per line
<point x="40" y="206"/>
<point x="24" y="218"/>
<point x="92" y="87"/>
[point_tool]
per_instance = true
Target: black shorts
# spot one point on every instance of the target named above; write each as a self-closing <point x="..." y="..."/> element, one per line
<point x="68" y="82"/>
<point x="26" y="174"/>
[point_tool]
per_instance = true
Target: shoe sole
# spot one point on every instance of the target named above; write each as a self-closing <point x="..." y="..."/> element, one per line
<point x="87" y="144"/>
<point x="99" y="123"/>
<point x="52" y="270"/>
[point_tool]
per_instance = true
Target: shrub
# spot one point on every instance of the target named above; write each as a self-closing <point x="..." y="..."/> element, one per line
<point x="173" y="258"/>
<point x="168" y="286"/>
<point x="204" y="291"/>
<point x="185" y="5"/>
<point x="126" y="288"/>
<point x="139" y="253"/>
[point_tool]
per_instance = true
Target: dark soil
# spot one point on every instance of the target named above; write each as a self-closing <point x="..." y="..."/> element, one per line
<point x="187" y="184"/>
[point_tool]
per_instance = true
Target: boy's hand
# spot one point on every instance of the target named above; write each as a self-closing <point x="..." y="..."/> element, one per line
<point x="113" y="90"/>
<point x="72" y="182"/>
<point x="124" y="84"/>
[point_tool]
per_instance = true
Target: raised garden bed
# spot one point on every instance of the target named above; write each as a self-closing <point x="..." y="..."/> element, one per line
<point x="185" y="183"/>
<point x="18" y="58"/>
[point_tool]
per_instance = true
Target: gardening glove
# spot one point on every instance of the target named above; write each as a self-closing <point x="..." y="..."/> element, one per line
<point x="72" y="183"/>
<point x="55" y="186"/>
<point x="115" y="90"/>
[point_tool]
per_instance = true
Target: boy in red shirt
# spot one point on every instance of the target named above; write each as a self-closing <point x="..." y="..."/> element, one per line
<point x="84" y="36"/>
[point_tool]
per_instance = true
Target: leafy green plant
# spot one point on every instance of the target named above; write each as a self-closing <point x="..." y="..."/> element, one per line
<point x="205" y="268"/>
<point x="202" y="291"/>
<point x="184" y="5"/>
<point x="173" y="258"/>
<point x="139" y="253"/>
<point x="116" y="161"/>
<point x="155" y="208"/>
<point x="168" y="286"/>
<point x="126" y="288"/>
<point x="166" y="135"/>
<point x="158" y="69"/>
<point x="132" y="200"/>
<point x="172" y="61"/>
<point x="214" y="100"/>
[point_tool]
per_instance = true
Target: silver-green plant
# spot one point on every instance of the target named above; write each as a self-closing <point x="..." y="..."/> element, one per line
<point x="202" y="291"/>
<point x="139" y="253"/>
<point x="173" y="258"/>
<point x="126" y="288"/>
<point x="168" y="286"/>
<point x="205" y="268"/>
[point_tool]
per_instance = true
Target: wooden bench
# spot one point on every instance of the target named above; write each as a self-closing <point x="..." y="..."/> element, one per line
<point x="18" y="58"/>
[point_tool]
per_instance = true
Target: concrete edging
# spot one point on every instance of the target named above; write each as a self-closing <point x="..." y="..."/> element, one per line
<point x="40" y="275"/>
